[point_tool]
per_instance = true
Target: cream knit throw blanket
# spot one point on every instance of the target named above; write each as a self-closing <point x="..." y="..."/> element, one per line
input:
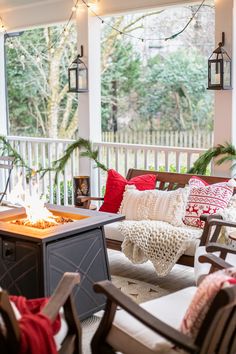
<point x="157" y="241"/>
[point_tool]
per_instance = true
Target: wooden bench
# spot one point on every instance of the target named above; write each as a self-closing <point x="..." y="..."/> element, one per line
<point x="166" y="181"/>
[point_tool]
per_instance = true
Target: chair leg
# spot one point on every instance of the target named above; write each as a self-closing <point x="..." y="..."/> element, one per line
<point x="98" y="343"/>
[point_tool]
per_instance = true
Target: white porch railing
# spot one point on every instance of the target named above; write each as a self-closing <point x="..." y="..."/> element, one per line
<point x="38" y="153"/>
<point x="121" y="157"/>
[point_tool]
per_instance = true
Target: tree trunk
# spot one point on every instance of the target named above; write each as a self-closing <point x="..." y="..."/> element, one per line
<point x="114" y="107"/>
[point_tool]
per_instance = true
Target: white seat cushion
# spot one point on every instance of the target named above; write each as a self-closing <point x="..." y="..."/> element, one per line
<point x="130" y="336"/>
<point x="203" y="269"/>
<point x="112" y="232"/>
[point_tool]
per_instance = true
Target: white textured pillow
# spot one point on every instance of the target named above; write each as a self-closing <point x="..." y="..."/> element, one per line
<point x="166" y="206"/>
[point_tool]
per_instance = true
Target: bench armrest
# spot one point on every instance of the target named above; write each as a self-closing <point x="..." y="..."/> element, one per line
<point x="86" y="200"/>
<point x="117" y="298"/>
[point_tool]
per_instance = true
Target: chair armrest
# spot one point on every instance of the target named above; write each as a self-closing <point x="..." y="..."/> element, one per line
<point x="216" y="247"/>
<point x="215" y="261"/>
<point x="60" y="295"/>
<point x="116" y="297"/>
<point x="210" y="221"/>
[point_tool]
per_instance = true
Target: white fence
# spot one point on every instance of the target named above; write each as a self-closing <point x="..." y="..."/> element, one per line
<point x="189" y="138"/>
<point x="40" y="153"/>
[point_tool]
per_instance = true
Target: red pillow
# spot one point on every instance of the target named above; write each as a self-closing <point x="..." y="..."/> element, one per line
<point x="115" y="188"/>
<point x="206" y="198"/>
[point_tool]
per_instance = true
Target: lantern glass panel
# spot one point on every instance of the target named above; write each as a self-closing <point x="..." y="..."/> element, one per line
<point x="72" y="79"/>
<point x="215" y="73"/>
<point x="227" y="75"/>
<point x="82" y="78"/>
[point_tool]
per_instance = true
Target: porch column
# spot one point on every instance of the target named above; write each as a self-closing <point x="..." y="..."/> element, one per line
<point x="225" y="101"/>
<point x="3" y="103"/>
<point x="88" y="29"/>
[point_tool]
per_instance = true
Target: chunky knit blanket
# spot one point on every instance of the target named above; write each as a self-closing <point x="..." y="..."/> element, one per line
<point x="157" y="241"/>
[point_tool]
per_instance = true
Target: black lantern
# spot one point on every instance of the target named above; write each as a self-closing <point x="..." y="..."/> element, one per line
<point x="78" y="75"/>
<point x="219" y="69"/>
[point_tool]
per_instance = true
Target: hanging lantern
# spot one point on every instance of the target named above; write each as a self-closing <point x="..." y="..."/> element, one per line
<point x="219" y="69"/>
<point x="78" y="75"/>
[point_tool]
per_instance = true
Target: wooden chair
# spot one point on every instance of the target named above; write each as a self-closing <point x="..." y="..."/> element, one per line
<point x="153" y="327"/>
<point x="224" y="254"/>
<point x="71" y="344"/>
<point x="6" y="163"/>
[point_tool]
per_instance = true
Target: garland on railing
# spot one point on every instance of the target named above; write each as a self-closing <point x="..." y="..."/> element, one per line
<point x="58" y="166"/>
<point x="7" y="150"/>
<point x="227" y="153"/>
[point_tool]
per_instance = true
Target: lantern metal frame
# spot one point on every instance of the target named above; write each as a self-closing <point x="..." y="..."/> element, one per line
<point x="77" y="69"/>
<point x="219" y="62"/>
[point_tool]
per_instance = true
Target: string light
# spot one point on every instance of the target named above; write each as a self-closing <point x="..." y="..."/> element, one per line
<point x="92" y="7"/>
<point x="2" y="27"/>
<point x="140" y="38"/>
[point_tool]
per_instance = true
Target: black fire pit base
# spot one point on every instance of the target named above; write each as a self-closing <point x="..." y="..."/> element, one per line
<point x="32" y="266"/>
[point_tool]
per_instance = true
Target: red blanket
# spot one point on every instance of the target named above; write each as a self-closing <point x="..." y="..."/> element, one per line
<point x="36" y="330"/>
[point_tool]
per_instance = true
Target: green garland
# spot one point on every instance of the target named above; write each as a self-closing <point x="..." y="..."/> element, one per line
<point x="58" y="166"/>
<point x="229" y="154"/>
<point x="7" y="150"/>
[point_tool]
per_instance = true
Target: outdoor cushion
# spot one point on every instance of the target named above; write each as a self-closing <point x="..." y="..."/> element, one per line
<point x="203" y="269"/>
<point x="157" y="205"/>
<point x="203" y="298"/>
<point x="115" y="187"/>
<point x="130" y="336"/>
<point x="206" y="199"/>
<point x="112" y="232"/>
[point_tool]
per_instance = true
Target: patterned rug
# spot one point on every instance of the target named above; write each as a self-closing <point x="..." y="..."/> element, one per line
<point x="139" y="291"/>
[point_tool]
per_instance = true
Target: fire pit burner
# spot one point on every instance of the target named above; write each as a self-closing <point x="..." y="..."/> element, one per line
<point x="43" y="223"/>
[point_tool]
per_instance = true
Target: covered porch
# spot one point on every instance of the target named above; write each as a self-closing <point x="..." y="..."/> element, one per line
<point x="42" y="152"/>
<point x="139" y="281"/>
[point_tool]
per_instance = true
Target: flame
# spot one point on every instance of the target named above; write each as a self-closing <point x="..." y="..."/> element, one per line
<point x="33" y="204"/>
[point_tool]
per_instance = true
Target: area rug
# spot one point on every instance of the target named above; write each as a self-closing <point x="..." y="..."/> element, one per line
<point x="139" y="291"/>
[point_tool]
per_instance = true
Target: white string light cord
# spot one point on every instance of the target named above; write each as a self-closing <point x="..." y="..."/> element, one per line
<point x="140" y="38"/>
<point x="64" y="31"/>
<point x="3" y="29"/>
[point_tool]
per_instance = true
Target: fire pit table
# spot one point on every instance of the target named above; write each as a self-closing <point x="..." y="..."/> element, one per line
<point x="32" y="260"/>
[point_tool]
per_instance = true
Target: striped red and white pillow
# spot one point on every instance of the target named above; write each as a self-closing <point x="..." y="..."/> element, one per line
<point x="206" y="199"/>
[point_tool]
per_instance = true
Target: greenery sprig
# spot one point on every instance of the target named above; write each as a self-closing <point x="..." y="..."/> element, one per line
<point x="7" y="150"/>
<point x="58" y="166"/>
<point x="227" y="153"/>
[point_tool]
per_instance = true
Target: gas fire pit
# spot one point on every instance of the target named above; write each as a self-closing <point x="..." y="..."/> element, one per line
<point x="33" y="257"/>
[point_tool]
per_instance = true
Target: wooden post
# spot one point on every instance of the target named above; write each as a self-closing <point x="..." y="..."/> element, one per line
<point x="225" y="105"/>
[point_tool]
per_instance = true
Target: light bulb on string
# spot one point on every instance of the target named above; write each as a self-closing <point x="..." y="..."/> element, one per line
<point x="10" y="45"/>
<point x="66" y="32"/>
<point x="38" y="59"/>
<point x="119" y="36"/>
<point x="22" y="57"/>
<point x="52" y="50"/>
<point x="2" y="29"/>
